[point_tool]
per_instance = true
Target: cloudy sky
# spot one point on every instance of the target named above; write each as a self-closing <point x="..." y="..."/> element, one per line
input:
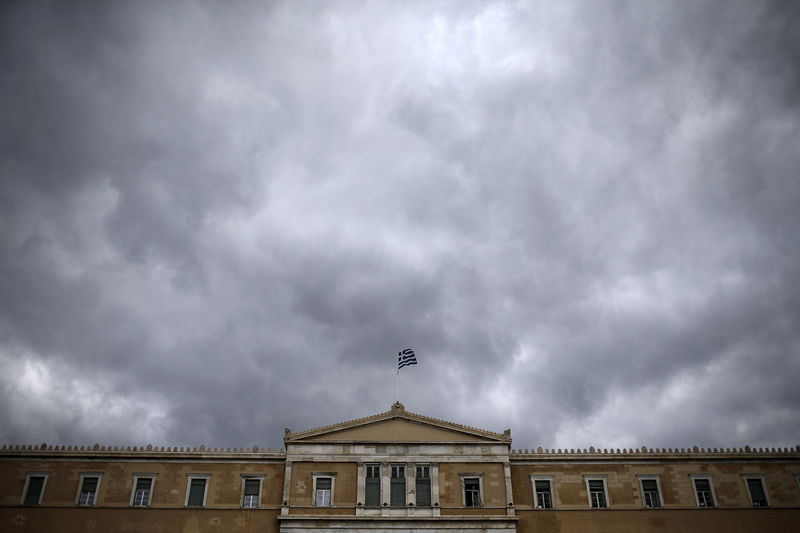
<point x="221" y="219"/>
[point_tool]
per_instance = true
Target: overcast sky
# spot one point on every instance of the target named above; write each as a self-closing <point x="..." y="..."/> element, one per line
<point x="221" y="219"/>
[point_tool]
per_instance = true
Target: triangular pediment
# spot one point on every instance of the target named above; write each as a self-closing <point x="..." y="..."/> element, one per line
<point x="398" y="425"/>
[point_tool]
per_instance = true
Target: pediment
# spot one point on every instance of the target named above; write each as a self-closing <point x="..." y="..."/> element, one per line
<point x="398" y="425"/>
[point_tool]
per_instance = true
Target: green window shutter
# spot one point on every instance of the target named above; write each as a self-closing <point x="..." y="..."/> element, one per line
<point x="423" y="492"/>
<point x="373" y="492"/>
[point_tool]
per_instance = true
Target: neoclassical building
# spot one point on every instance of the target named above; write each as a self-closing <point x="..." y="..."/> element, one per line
<point x="397" y="472"/>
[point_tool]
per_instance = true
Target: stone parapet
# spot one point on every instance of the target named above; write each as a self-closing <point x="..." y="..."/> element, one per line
<point x="147" y="451"/>
<point x="644" y="452"/>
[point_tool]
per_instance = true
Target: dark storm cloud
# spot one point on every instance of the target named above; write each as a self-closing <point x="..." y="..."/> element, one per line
<point x="219" y="221"/>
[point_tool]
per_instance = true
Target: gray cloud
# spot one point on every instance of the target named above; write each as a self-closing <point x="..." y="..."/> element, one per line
<point x="219" y="221"/>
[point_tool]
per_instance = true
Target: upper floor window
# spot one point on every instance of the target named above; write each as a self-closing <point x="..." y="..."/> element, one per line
<point x="34" y="488"/>
<point x="251" y="490"/>
<point x="543" y="491"/>
<point x="323" y="489"/>
<point x="703" y="490"/>
<point x="756" y="490"/>
<point x="88" y="487"/>
<point x="373" y="486"/>
<point x="197" y="489"/>
<point x="397" y="496"/>
<point x="596" y="489"/>
<point x="472" y="490"/>
<point x="651" y="491"/>
<point x="423" y="485"/>
<point x="142" y="490"/>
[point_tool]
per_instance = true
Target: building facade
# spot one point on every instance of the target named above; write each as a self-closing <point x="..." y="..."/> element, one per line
<point x="397" y="472"/>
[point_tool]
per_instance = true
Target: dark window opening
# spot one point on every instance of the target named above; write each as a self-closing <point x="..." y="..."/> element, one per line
<point x="544" y="495"/>
<point x="472" y="492"/>
<point x="34" y="493"/>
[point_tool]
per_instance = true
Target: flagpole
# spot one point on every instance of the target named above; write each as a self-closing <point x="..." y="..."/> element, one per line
<point x="397" y="385"/>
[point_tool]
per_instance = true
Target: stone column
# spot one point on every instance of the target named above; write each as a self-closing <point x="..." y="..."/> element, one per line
<point x="287" y="487"/>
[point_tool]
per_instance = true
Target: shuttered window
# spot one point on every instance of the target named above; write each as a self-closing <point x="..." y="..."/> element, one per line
<point x="373" y="486"/>
<point x="423" y="486"/>
<point x="398" y="486"/>
<point x="34" y="493"/>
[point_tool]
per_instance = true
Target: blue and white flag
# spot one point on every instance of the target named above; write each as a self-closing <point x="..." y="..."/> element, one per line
<point x="405" y="358"/>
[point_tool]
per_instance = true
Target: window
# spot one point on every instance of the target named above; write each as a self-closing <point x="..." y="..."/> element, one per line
<point x="251" y="490"/>
<point x="87" y="492"/>
<point x="542" y="492"/>
<point x="755" y="488"/>
<point x="323" y="489"/>
<point x="373" y="486"/>
<point x="472" y="490"/>
<point x="703" y="491"/>
<point x="196" y="490"/>
<point x="34" y="488"/>
<point x="142" y="490"/>
<point x="651" y="491"/>
<point x="397" y="492"/>
<point x="596" y="489"/>
<point x="423" y="485"/>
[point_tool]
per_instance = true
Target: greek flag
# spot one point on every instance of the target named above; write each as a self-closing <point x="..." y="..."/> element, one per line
<point x="405" y="358"/>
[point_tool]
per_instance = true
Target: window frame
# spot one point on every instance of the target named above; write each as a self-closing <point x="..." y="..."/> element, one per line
<point x="710" y="479"/>
<point x="549" y="479"/>
<point x="367" y="468"/>
<point x="189" y="478"/>
<point x="319" y="475"/>
<point x="471" y="475"/>
<point x="136" y="477"/>
<point x="28" y="476"/>
<point x="83" y="476"/>
<point x="251" y="477"/>
<point x="657" y="479"/>
<point x="760" y="477"/>
<point x="597" y="477"/>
